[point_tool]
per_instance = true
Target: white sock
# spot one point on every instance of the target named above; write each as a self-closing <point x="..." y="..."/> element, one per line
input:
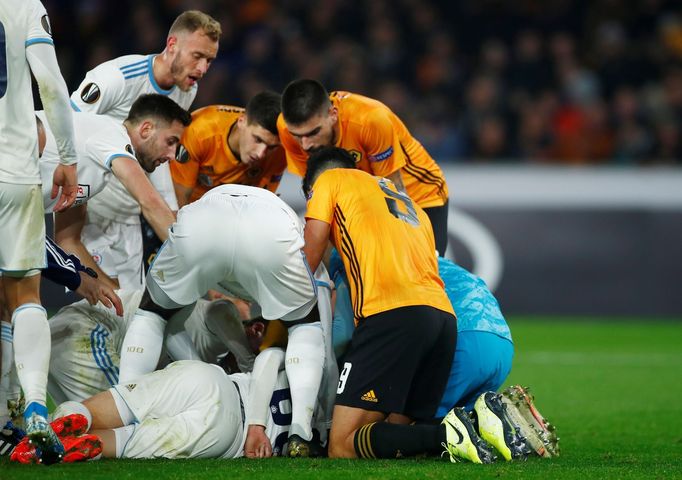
<point x="7" y="363"/>
<point x="32" y="351"/>
<point x="304" y="364"/>
<point x="71" y="407"/>
<point x="141" y="346"/>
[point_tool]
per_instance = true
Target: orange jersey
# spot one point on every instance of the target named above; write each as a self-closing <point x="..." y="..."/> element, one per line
<point x="209" y="162"/>
<point x="381" y="145"/>
<point x="385" y="241"/>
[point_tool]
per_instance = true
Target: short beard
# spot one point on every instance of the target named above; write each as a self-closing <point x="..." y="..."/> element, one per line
<point x="176" y="71"/>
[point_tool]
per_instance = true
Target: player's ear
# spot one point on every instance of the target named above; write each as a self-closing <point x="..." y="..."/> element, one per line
<point x="171" y="43"/>
<point x="146" y="128"/>
<point x="333" y="113"/>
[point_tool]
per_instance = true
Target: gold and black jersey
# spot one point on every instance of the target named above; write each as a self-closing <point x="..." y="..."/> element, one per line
<point x="385" y="241"/>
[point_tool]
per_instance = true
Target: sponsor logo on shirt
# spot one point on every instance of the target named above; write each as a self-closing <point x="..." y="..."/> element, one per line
<point x="82" y="194"/>
<point x="90" y="93"/>
<point x="380" y="157"/>
<point x="83" y="191"/>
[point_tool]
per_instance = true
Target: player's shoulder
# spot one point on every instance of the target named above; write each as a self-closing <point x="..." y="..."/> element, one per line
<point x="27" y="8"/>
<point x="216" y="114"/>
<point x="354" y="104"/>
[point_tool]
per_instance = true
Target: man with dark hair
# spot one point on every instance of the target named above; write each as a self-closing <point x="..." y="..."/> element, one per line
<point x="110" y="89"/>
<point x="376" y="138"/>
<point x="107" y="148"/>
<point x="399" y="359"/>
<point x="228" y="144"/>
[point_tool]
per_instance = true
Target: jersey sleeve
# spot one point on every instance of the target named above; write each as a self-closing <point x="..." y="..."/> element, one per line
<point x="296" y="157"/>
<point x="103" y="149"/>
<point x="102" y="89"/>
<point x="322" y="199"/>
<point x="38" y="29"/>
<point x="185" y="169"/>
<point x="381" y="143"/>
<point x="42" y="60"/>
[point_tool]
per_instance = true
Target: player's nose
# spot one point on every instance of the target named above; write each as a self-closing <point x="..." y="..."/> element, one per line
<point x="306" y="144"/>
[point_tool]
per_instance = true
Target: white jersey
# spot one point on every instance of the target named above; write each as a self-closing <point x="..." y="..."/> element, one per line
<point x="99" y="140"/>
<point x="86" y="341"/>
<point x="111" y="89"/>
<point x="22" y="23"/>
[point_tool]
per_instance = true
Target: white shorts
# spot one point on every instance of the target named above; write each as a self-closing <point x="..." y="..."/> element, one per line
<point x="189" y="409"/>
<point x="116" y="248"/>
<point x="86" y="342"/>
<point x="22" y="228"/>
<point x="244" y="239"/>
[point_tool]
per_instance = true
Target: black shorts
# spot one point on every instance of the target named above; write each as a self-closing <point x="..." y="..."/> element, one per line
<point x="439" y="223"/>
<point x="399" y="362"/>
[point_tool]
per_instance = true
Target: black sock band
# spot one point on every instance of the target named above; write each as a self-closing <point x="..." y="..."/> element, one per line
<point x="388" y="440"/>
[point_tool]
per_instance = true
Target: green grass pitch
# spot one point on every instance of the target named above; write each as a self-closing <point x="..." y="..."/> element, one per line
<point x="612" y="387"/>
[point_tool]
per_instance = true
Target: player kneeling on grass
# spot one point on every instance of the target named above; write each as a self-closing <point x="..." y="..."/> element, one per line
<point x="190" y="409"/>
<point x="405" y="324"/>
<point x="479" y="368"/>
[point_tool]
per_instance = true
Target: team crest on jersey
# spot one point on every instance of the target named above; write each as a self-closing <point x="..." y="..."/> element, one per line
<point x="90" y="93"/>
<point x="356" y="155"/>
<point x="181" y="154"/>
<point x="45" y="22"/>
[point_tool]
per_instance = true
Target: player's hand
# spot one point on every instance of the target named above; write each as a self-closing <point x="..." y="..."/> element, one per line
<point x="66" y="177"/>
<point x="257" y="444"/>
<point x="94" y="290"/>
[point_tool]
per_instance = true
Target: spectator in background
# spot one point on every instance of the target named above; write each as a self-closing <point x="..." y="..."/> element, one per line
<point x="584" y="54"/>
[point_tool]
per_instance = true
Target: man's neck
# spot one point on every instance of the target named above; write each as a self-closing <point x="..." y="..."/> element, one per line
<point x="161" y="71"/>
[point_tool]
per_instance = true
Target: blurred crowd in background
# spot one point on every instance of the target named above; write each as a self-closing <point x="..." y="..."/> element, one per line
<point x="550" y="81"/>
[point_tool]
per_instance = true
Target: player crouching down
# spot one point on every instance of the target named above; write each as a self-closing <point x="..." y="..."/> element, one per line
<point x="190" y="409"/>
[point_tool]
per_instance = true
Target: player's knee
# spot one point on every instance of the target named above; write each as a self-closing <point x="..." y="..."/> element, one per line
<point x="342" y="447"/>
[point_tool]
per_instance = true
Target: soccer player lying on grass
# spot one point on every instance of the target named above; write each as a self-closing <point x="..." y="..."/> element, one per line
<point x="479" y="368"/>
<point x="190" y="409"/>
